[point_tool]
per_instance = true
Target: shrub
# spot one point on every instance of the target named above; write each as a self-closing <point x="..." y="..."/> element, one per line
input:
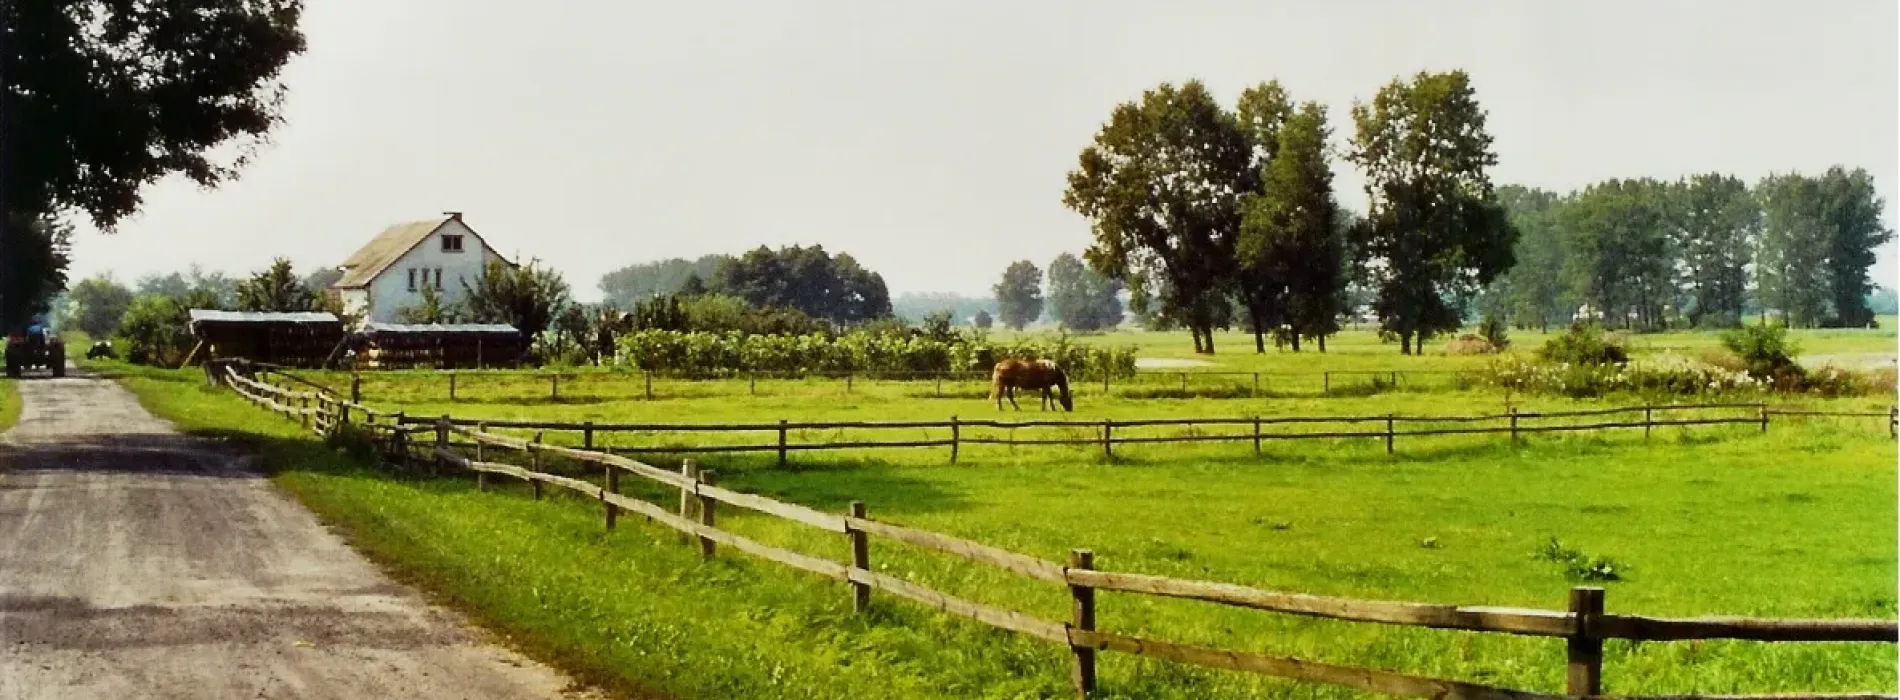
<point x="1493" y="332"/>
<point x="1579" y="566"/>
<point x="1668" y="374"/>
<point x="867" y="350"/>
<point x="1585" y="344"/>
<point x="1766" y="350"/>
<point x="156" y="330"/>
<point x="1469" y="344"/>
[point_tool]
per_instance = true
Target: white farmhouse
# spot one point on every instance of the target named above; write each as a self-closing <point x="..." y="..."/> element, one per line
<point x="389" y="273"/>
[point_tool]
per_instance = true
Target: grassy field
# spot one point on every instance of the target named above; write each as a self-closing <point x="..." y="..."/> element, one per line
<point x="1699" y="521"/>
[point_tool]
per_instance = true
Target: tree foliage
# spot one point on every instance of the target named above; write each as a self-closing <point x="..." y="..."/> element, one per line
<point x="1850" y="215"/>
<point x="1620" y="252"/>
<point x="1434" y="234"/>
<point x="1291" y="250"/>
<point x="432" y="307"/>
<point x="1791" y="264"/>
<point x="156" y="330"/>
<point x="527" y="297"/>
<point x="105" y="98"/>
<point x="625" y="286"/>
<point x="1081" y="298"/>
<point x="1161" y="185"/>
<point x="810" y="280"/>
<point x="96" y="305"/>
<point x="1718" y="225"/>
<point x="276" y="288"/>
<point x="35" y="252"/>
<point x="216" y="289"/>
<point x="1019" y="295"/>
<point x="982" y="320"/>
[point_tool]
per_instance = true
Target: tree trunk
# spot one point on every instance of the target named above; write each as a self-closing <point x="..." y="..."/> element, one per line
<point x="1296" y="342"/>
<point x="1322" y="343"/>
<point x="1196" y="332"/>
<point x="1405" y="343"/>
<point x="1259" y="334"/>
<point x="1208" y="331"/>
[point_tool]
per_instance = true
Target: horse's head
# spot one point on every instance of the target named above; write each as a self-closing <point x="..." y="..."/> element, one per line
<point x="1062" y="386"/>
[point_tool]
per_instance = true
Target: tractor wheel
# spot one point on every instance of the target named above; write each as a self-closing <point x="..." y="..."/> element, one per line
<point x="59" y="362"/>
<point x="13" y="370"/>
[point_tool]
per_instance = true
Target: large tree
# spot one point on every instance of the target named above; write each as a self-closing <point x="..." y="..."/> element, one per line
<point x="1261" y="261"/>
<point x="276" y="288"/>
<point x="1081" y="298"/>
<point x="1291" y="235"/>
<point x="1434" y="234"/>
<point x="528" y="297"/>
<point x="34" y="253"/>
<point x="1717" y="223"/>
<point x="1791" y="260"/>
<point x="1161" y="186"/>
<point x="1850" y="213"/>
<point x="622" y="287"/>
<point x="807" y="279"/>
<point x="1019" y="295"/>
<point x="95" y="306"/>
<point x="102" y="98"/>
<point x="1618" y="256"/>
<point x="1535" y="294"/>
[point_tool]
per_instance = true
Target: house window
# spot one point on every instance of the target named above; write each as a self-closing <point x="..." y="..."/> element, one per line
<point x="438" y="278"/>
<point x="451" y="243"/>
<point x="412" y="279"/>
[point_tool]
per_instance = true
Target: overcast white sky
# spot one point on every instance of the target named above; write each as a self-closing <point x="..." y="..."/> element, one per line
<point x="931" y="140"/>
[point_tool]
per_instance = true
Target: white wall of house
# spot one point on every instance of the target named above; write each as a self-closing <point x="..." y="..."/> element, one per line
<point x="355" y="301"/>
<point x="390" y="292"/>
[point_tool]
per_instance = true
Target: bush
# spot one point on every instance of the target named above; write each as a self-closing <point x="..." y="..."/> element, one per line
<point x="1578" y="566"/>
<point x="872" y="350"/>
<point x="1585" y="344"/>
<point x="1469" y="344"/>
<point x="1766" y="350"/>
<point x="1493" y="332"/>
<point x="1666" y="375"/>
<point x="156" y="330"/>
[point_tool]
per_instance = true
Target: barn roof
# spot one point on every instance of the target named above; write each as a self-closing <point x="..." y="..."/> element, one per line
<point x="384" y="250"/>
<point x="438" y="328"/>
<point x="217" y="316"/>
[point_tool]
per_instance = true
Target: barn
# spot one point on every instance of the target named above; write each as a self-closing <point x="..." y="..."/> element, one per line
<point x="292" y="339"/>
<point x="439" y="346"/>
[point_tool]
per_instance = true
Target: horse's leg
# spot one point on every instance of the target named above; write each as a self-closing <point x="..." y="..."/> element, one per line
<point x="1012" y="399"/>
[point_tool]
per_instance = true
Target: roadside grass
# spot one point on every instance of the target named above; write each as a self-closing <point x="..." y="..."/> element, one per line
<point x="1697" y="521"/>
<point x="9" y="404"/>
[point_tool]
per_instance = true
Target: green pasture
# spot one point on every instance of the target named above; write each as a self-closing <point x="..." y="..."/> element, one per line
<point x="1708" y="520"/>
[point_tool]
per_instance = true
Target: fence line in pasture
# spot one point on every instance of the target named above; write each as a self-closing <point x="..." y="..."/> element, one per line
<point x="451" y="380"/>
<point x="1585" y="624"/>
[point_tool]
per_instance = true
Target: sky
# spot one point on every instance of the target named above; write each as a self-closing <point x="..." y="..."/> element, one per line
<point x="931" y="140"/>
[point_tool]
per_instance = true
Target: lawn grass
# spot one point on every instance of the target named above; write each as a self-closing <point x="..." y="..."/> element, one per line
<point x="1700" y="521"/>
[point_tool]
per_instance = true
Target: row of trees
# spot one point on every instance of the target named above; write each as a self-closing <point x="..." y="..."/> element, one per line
<point x="1078" y="297"/>
<point x="814" y="282"/>
<point x="1199" y="209"/>
<point x="1700" y="251"/>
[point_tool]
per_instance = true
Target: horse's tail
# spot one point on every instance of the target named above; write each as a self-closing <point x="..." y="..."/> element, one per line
<point x="996" y="384"/>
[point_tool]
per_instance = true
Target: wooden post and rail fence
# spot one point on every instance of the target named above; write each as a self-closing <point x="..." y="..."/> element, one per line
<point x="1585" y="624"/>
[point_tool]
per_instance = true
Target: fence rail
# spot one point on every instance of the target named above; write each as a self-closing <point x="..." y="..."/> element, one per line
<point x="1585" y="625"/>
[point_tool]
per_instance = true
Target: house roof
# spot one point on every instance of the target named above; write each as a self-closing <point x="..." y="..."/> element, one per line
<point x="389" y="246"/>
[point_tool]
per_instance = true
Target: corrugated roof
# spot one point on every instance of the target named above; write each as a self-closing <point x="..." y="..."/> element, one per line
<point x="198" y="315"/>
<point x="438" y="328"/>
<point x="384" y="250"/>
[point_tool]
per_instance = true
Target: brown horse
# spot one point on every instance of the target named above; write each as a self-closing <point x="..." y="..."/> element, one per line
<point x="1011" y="375"/>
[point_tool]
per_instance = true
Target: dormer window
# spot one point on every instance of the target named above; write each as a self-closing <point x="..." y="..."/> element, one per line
<point x="451" y="243"/>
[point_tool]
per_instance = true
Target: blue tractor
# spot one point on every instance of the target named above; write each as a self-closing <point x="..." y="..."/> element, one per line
<point x="37" y="347"/>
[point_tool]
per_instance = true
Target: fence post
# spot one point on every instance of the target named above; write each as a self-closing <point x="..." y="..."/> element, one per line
<point x="940" y="385"/>
<point x="451" y="386"/>
<point x="1082" y="671"/>
<point x="649" y="378"/>
<point x="441" y="439"/>
<point x="1647" y="422"/>
<point x="1108" y="437"/>
<point x="343" y="412"/>
<point x="1256" y="386"/>
<point x="1893" y="422"/>
<point x="1513" y="411"/>
<point x="847" y="382"/>
<point x="1585" y="675"/>
<point x="401" y="439"/>
<point x="534" y="451"/>
<point x="781" y="442"/>
<point x="752" y="383"/>
<point x="1256" y="436"/>
<point x="690" y="470"/>
<point x="956" y="438"/>
<point x="1395" y="380"/>
<point x="554" y="387"/>
<point x="587" y="435"/>
<point x="1764" y="416"/>
<point x="860" y="560"/>
<point x="1183" y="382"/>
<point x="1326" y="382"/>
<point x="1105" y="374"/>
<point x="481" y="477"/>
<point x="306" y="411"/>
<point x="707" y="508"/>
<point x="356" y="388"/>
<point x="1388" y="433"/>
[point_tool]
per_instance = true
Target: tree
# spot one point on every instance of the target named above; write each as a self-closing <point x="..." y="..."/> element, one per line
<point x="527" y="297"/>
<point x="1290" y="242"/>
<point x="156" y="330"/>
<point x="277" y="288"/>
<point x="1533" y="292"/>
<point x="1719" y="222"/>
<point x="982" y="320"/>
<point x="1618" y="256"/>
<point x="913" y="306"/>
<point x="95" y="306"/>
<point x="1019" y="294"/>
<point x="432" y="308"/>
<point x="693" y="286"/>
<point x="1161" y="186"/>
<point x="216" y="289"/>
<point x="1850" y="213"/>
<point x="163" y="87"/>
<point x="807" y="279"/>
<point x="1434" y="234"/>
<point x="34" y="252"/>
<point x="622" y="287"/>
<point x="1081" y="298"/>
<point x="1791" y="271"/>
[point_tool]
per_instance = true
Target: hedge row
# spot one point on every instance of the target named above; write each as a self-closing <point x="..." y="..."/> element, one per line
<point x="732" y="353"/>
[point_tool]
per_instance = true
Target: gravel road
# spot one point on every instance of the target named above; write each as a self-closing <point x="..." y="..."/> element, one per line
<point x="139" y="563"/>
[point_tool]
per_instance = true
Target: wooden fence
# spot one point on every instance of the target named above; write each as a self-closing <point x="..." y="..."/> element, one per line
<point x="1238" y="384"/>
<point x="1585" y="625"/>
